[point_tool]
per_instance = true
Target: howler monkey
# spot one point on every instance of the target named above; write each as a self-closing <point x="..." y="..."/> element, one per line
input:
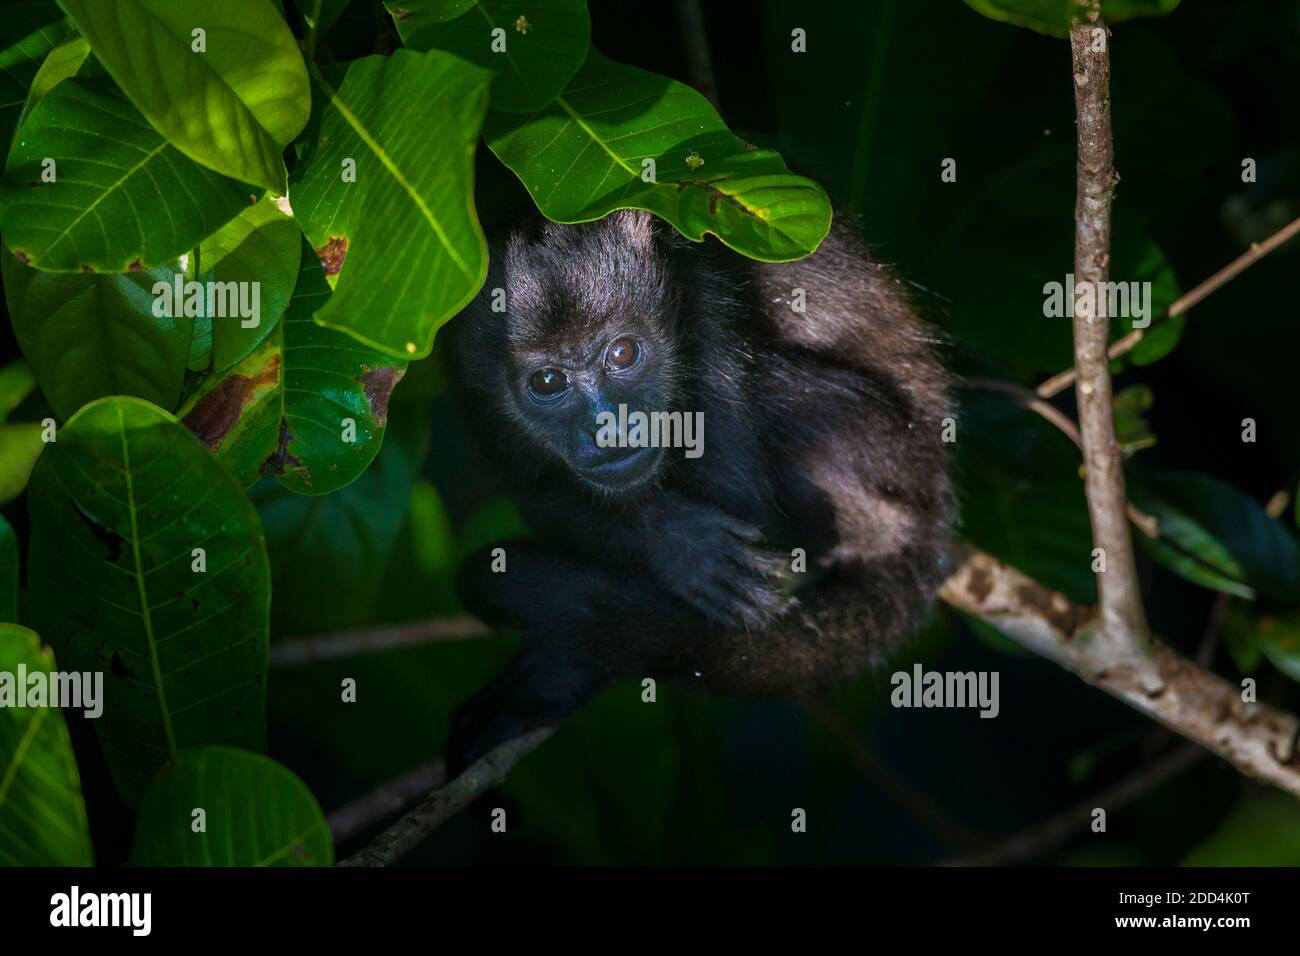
<point x="822" y="404"/>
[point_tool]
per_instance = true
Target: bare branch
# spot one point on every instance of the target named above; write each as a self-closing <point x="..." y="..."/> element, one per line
<point x="1122" y="346"/>
<point x="1058" y="830"/>
<point x="389" y="797"/>
<point x="294" y="651"/>
<point x="447" y="801"/>
<point x="1124" y="625"/>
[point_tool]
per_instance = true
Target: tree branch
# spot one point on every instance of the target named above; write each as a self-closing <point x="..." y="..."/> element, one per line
<point x="1058" y="830"/>
<point x="389" y="797"/>
<point x="448" y="800"/>
<point x="1257" y="739"/>
<point x="295" y="651"/>
<point x="1124" y="626"/>
<point x="1122" y="346"/>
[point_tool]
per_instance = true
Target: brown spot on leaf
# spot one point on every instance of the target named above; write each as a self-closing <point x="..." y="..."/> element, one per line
<point x="135" y="266"/>
<point x="110" y="539"/>
<point x="401" y="14"/>
<point x="379" y="384"/>
<point x="23" y="258"/>
<point x="332" y="254"/>
<point x="87" y="269"/>
<point x="280" y="459"/>
<point x="218" y="412"/>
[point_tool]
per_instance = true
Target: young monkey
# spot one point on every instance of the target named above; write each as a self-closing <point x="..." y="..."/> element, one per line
<point x="802" y="545"/>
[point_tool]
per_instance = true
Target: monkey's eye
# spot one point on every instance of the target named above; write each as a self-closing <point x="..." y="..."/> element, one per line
<point x="548" y="382"/>
<point x="622" y="353"/>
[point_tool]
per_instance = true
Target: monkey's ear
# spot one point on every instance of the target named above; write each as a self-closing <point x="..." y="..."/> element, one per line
<point x="637" y="226"/>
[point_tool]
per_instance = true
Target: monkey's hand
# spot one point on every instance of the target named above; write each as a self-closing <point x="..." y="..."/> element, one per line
<point x="718" y="565"/>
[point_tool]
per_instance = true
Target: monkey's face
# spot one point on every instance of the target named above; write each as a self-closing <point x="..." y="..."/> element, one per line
<point x="581" y="403"/>
<point x="590" y="347"/>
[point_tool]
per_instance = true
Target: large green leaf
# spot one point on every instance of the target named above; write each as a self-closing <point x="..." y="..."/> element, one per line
<point x="256" y="812"/>
<point x="88" y="336"/>
<point x="1054" y="17"/>
<point x="8" y="573"/>
<point x="583" y="157"/>
<point x="287" y="406"/>
<point x="545" y="42"/>
<point x="28" y="32"/>
<point x="120" y="199"/>
<point x="1021" y="496"/>
<point x="403" y="239"/>
<point x="234" y="106"/>
<point x="118" y="505"/>
<point x="260" y="246"/>
<point x="1217" y="536"/>
<point x="42" y="815"/>
<point x="329" y="553"/>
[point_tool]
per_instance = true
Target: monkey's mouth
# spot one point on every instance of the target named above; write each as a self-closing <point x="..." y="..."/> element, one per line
<point x="634" y="467"/>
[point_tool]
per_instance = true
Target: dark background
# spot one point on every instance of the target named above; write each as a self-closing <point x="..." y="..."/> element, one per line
<point x="886" y="91"/>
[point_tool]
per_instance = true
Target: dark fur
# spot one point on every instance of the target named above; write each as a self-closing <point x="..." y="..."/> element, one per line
<point x="822" y="431"/>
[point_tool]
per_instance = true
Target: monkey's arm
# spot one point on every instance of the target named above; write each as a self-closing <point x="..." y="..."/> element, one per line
<point x="703" y="556"/>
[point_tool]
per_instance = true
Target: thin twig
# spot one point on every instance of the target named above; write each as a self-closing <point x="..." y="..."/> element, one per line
<point x="448" y="800"/>
<point x="916" y="803"/>
<point x="1022" y="396"/>
<point x="1056" y="831"/>
<point x="386" y="799"/>
<point x="294" y="651"/>
<point x="1125" y="344"/>
<point x="1124" y="625"/>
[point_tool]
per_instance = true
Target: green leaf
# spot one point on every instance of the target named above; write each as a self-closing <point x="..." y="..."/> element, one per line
<point x="285" y="408"/>
<point x="1263" y="830"/>
<point x="544" y="43"/>
<point x="42" y="814"/>
<point x="584" y="156"/>
<point x="8" y="573"/>
<point x="88" y="336"/>
<point x="118" y="504"/>
<point x="1132" y="429"/>
<point x="16" y="383"/>
<point x="1250" y="632"/>
<point x="63" y="62"/>
<point x="257" y="813"/>
<point x="1215" y="535"/>
<point x="20" y="446"/>
<point x="1022" y="499"/>
<point x="403" y="239"/>
<point x="263" y="246"/>
<point x="121" y="198"/>
<point x="320" y="15"/>
<point x="232" y="107"/>
<point x="28" y="32"/>
<point x="1054" y="17"/>
<point x="329" y="552"/>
